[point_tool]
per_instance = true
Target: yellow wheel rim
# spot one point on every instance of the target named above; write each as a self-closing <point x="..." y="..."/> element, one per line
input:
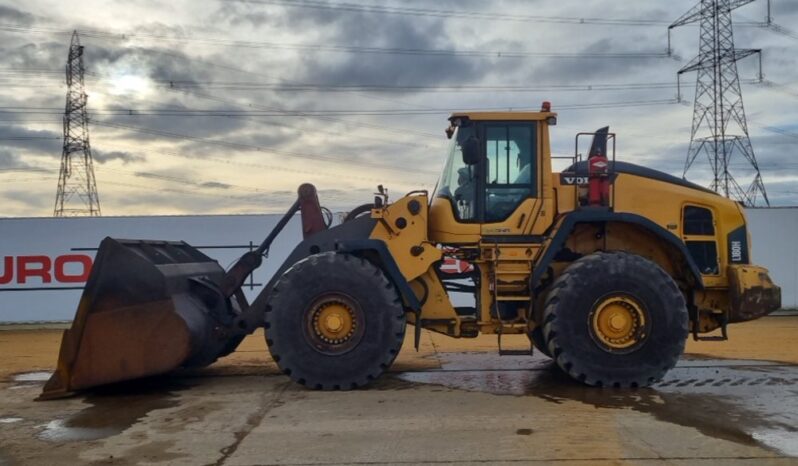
<point x="618" y="323"/>
<point x="334" y="322"/>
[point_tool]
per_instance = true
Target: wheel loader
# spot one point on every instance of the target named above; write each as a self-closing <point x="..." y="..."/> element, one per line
<point x="606" y="266"/>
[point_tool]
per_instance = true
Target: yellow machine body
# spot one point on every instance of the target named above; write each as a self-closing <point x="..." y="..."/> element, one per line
<point x="531" y="247"/>
<point x="649" y="214"/>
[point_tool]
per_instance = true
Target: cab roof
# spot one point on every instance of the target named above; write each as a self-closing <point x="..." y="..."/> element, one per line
<point x="503" y="116"/>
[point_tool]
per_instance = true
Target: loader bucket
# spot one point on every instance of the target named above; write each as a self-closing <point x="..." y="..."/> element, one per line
<point x="148" y="308"/>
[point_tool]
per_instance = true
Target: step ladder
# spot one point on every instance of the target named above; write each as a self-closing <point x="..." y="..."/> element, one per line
<point x="723" y="331"/>
<point x="508" y="325"/>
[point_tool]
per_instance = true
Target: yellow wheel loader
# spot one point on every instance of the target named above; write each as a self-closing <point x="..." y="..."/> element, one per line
<point x="606" y="266"/>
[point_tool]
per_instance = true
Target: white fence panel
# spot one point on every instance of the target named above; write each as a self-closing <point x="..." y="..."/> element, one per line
<point x="44" y="261"/>
<point x="773" y="234"/>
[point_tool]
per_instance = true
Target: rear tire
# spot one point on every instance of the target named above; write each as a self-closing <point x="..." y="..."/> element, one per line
<point x="615" y="319"/>
<point x="334" y="322"/>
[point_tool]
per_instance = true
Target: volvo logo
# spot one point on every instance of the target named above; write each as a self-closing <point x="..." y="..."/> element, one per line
<point x="574" y="180"/>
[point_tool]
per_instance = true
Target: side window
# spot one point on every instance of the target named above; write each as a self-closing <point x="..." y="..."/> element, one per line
<point x="705" y="255"/>
<point x="510" y="168"/>
<point x="698" y="221"/>
<point x="698" y="228"/>
<point x="458" y="181"/>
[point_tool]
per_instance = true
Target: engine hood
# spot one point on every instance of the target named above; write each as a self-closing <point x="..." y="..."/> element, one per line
<point x="580" y="170"/>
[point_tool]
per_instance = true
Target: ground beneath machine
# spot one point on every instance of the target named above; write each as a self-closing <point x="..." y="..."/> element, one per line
<point x="747" y="402"/>
<point x="454" y="402"/>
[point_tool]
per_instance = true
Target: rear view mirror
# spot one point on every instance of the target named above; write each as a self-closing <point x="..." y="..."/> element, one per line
<point x="471" y="151"/>
<point x="599" y="146"/>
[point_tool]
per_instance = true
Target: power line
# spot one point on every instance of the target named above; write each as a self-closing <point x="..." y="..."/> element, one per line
<point x="782" y="88"/>
<point x="514" y="54"/>
<point x="779" y="29"/>
<point x="28" y="169"/>
<point x="781" y="131"/>
<point x="36" y="179"/>
<point x="453" y="13"/>
<point x="252" y="147"/>
<point x="386" y="129"/>
<point x="233" y="85"/>
<point x="254" y="195"/>
<point x="349" y="123"/>
<point x="284" y="113"/>
<point x="359" y="88"/>
<point x="260" y="166"/>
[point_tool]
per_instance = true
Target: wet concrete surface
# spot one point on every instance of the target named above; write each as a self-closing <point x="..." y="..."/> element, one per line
<point x="460" y="404"/>
<point x="747" y="402"/>
<point x="114" y="409"/>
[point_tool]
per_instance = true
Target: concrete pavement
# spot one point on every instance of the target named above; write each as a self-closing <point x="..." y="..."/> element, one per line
<point x="454" y="402"/>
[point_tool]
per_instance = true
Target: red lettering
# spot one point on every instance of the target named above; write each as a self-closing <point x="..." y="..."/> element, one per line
<point x="61" y="274"/>
<point x="8" y="270"/>
<point x="26" y="267"/>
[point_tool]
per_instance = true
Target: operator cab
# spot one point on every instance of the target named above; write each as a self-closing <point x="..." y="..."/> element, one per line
<point x="494" y="175"/>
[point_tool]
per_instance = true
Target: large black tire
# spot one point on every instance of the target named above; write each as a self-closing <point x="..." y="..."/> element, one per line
<point x="292" y="330"/>
<point x="577" y="343"/>
<point x="537" y="339"/>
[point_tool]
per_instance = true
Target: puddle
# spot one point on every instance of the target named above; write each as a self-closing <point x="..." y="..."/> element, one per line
<point x="746" y="402"/>
<point x="114" y="409"/>
<point x="785" y="442"/>
<point x="10" y="420"/>
<point x="33" y="377"/>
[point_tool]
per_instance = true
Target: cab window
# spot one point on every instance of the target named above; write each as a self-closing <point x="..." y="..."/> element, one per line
<point x="458" y="181"/>
<point x="698" y="228"/>
<point x="698" y="221"/>
<point x="510" y="168"/>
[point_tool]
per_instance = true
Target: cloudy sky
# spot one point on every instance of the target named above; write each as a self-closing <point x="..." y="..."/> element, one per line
<point x="220" y="106"/>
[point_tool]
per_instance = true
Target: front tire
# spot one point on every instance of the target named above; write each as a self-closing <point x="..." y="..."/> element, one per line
<point x="537" y="339"/>
<point x="615" y="319"/>
<point x="334" y="322"/>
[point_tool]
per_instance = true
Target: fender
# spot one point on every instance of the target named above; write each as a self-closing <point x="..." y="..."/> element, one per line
<point x="350" y="237"/>
<point x="602" y="216"/>
<point x="388" y="265"/>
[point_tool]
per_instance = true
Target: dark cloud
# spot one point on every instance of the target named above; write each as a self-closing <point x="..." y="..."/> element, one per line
<point x="154" y="126"/>
<point x="238" y="14"/>
<point x="159" y="62"/>
<point x="101" y="156"/>
<point x="31" y="140"/>
<point x="656" y="136"/>
<point x="185" y="179"/>
<point x="10" y="15"/>
<point x="215" y="185"/>
<point x="28" y="52"/>
<point x="593" y="69"/>
<point x="386" y="31"/>
<point x="9" y="159"/>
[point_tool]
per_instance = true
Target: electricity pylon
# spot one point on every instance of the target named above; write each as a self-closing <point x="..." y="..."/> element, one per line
<point x="720" y="129"/>
<point x="77" y="188"/>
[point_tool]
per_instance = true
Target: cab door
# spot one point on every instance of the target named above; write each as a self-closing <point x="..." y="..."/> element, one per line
<point x="510" y="181"/>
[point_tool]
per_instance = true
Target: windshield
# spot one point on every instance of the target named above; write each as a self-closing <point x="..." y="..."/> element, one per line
<point x="458" y="180"/>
